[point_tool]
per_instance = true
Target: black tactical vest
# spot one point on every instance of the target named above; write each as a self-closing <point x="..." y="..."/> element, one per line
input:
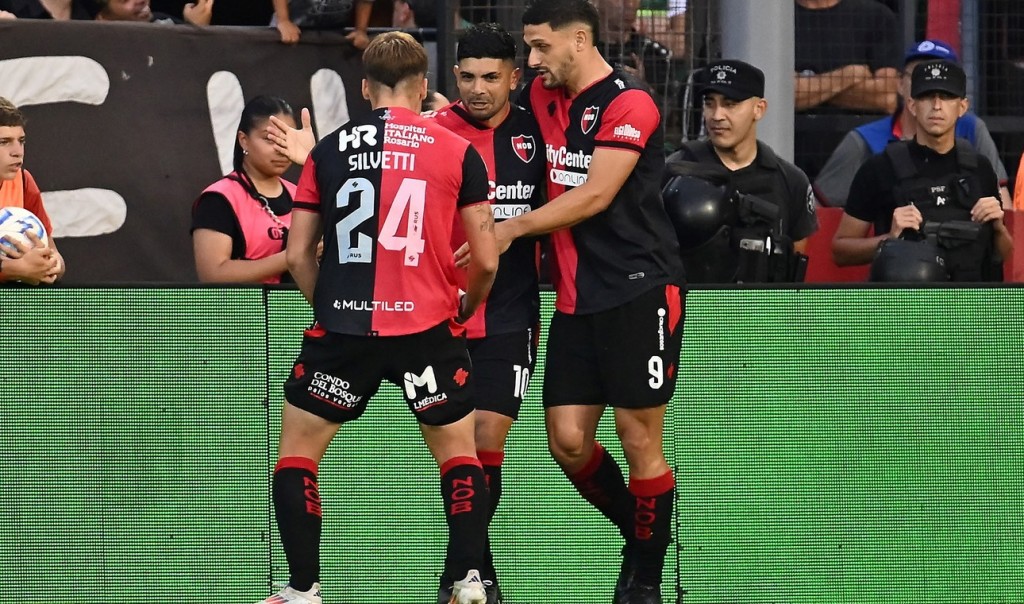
<point x="945" y="204"/>
<point x="765" y="253"/>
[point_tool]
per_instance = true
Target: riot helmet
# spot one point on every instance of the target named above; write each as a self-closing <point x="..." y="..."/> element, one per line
<point x="703" y="212"/>
<point x="698" y="208"/>
<point x="907" y="261"/>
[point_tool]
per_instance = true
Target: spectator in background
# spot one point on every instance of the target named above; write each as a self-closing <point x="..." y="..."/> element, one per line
<point x="623" y="46"/>
<point x="669" y="29"/>
<point x="225" y="12"/>
<point x="847" y="58"/>
<point x="240" y="223"/>
<point x="197" y="13"/>
<point x="58" y="10"/>
<point x="414" y="14"/>
<point x="292" y="16"/>
<point x="38" y="263"/>
<point x="847" y="55"/>
<point x="833" y="182"/>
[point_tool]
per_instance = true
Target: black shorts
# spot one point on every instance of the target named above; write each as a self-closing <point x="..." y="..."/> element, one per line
<point x="335" y="374"/>
<point x="502" y="367"/>
<point x="626" y="356"/>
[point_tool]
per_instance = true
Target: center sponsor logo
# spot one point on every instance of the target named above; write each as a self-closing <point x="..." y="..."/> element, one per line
<point x="516" y="192"/>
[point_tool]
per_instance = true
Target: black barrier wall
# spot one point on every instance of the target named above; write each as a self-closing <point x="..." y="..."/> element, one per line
<point x="850" y="446"/>
<point x="129" y="122"/>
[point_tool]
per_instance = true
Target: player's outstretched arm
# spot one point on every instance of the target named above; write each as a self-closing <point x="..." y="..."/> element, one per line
<point x="478" y="221"/>
<point x="609" y="170"/>
<point x="301" y="253"/>
<point x="295" y="144"/>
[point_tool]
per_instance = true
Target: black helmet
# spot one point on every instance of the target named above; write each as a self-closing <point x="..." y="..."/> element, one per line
<point x="700" y="205"/>
<point x="698" y="209"/>
<point x="904" y="261"/>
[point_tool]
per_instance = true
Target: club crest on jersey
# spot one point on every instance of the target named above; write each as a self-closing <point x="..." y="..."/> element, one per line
<point x="589" y="119"/>
<point x="524" y="146"/>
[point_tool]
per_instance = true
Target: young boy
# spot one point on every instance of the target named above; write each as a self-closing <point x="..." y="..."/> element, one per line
<point x="36" y="262"/>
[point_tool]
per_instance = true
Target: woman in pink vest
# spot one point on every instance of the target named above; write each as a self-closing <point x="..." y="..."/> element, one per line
<point x="240" y="223"/>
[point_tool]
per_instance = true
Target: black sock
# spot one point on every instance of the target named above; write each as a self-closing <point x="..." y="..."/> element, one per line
<point x="464" y="490"/>
<point x="651" y="525"/>
<point x="298" y="512"/>
<point x="491" y="461"/>
<point x="600" y="482"/>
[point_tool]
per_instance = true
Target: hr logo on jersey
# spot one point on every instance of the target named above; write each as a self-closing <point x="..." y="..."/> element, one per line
<point x="357" y="136"/>
<point x="589" y="119"/>
<point x="524" y="146"/>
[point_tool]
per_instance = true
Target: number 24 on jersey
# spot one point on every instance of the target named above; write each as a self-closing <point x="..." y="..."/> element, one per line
<point x="409" y="202"/>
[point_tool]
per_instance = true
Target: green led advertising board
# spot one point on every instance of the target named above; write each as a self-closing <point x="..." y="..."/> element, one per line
<point x="830" y="445"/>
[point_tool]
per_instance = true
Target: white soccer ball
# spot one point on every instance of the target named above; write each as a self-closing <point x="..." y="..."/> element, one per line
<point x="15" y="223"/>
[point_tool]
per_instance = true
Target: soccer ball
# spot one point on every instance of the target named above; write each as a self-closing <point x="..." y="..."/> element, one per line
<point x="15" y="222"/>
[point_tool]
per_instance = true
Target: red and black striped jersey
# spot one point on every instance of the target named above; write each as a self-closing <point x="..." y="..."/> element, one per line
<point x="631" y="247"/>
<point x="388" y="187"/>
<point x="512" y="152"/>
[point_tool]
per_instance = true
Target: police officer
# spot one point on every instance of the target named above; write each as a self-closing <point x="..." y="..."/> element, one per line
<point x="934" y="186"/>
<point x="734" y="102"/>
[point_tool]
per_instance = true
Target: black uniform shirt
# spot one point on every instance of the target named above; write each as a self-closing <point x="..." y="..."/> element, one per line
<point x="871" y="194"/>
<point x="791" y="190"/>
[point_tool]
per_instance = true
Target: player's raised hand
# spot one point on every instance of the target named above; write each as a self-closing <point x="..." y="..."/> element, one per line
<point x="295" y="144"/>
<point x="199" y="12"/>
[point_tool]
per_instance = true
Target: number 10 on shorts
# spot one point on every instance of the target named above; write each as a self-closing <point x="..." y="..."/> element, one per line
<point x="522" y="381"/>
